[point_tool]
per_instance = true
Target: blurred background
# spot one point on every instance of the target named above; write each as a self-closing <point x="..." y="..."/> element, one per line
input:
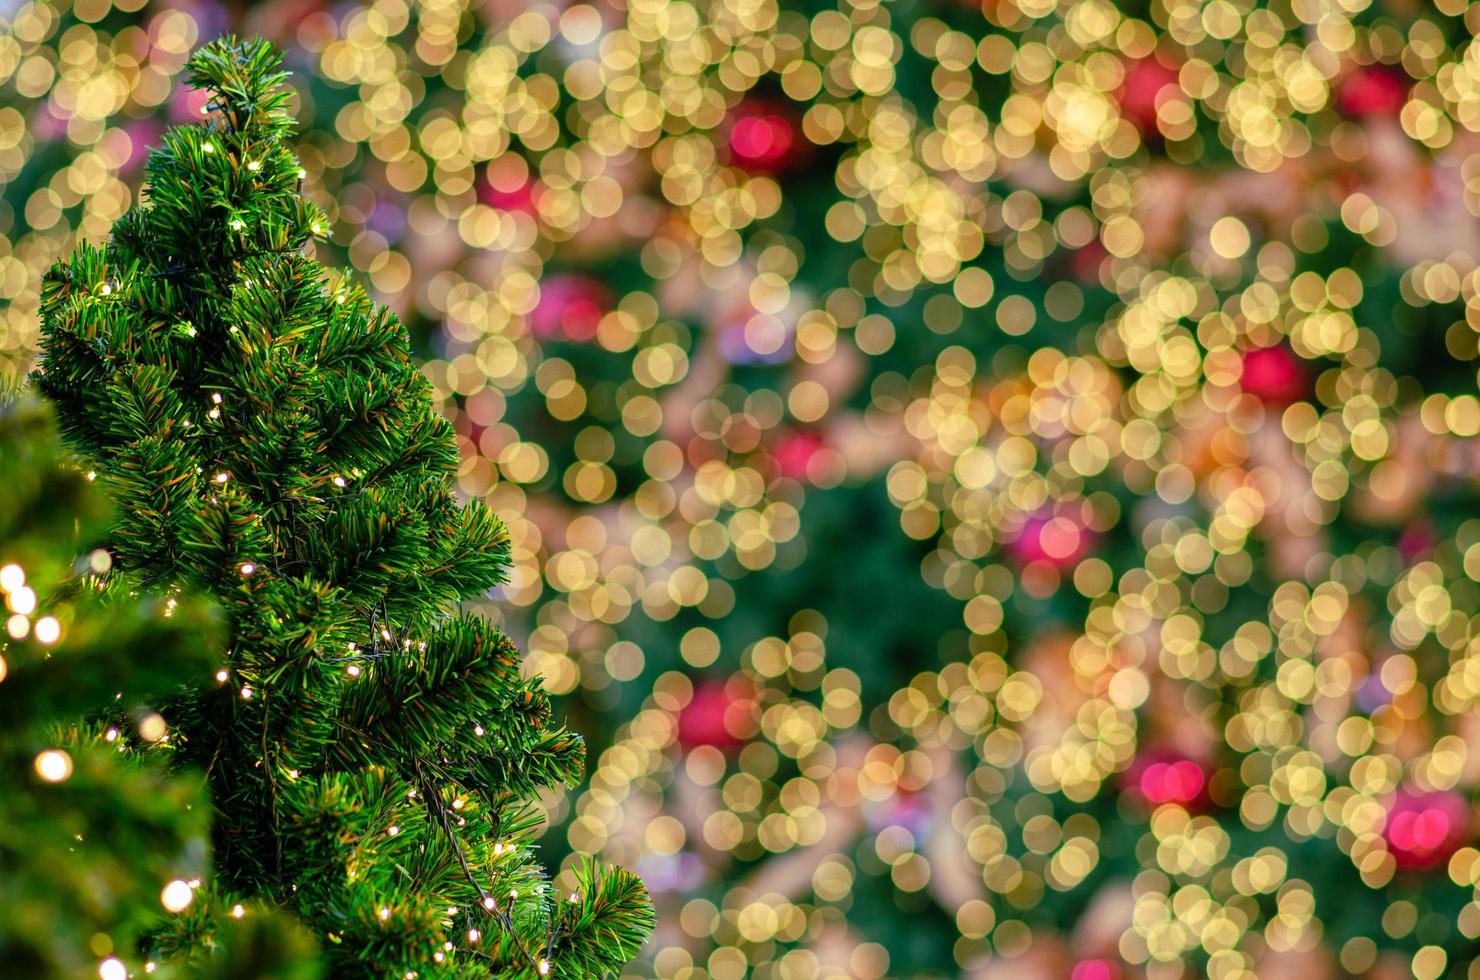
<point x="994" y="482"/>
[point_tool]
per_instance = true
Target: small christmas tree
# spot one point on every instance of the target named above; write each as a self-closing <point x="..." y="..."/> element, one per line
<point x="93" y="831"/>
<point x="370" y="754"/>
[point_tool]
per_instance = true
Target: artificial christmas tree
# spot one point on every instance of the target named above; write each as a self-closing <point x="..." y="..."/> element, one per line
<point x="370" y="754"/>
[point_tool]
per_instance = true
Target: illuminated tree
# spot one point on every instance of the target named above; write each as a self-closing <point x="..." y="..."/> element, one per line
<point x="370" y="754"/>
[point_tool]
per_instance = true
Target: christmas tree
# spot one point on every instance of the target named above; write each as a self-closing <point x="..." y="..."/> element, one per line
<point x="370" y="753"/>
<point x="97" y="832"/>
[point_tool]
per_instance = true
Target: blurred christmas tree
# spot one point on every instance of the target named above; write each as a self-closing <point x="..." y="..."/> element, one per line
<point x="269" y="443"/>
<point x="96" y="834"/>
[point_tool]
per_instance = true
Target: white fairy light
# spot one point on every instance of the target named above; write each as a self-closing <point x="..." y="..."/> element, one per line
<point x="53" y="765"/>
<point x="237" y="911"/>
<point x="48" y="630"/>
<point x="22" y="600"/>
<point x="112" y="969"/>
<point x="176" y="896"/>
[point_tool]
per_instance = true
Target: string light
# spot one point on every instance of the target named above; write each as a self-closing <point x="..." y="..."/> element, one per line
<point x="238" y="911"/>
<point x="176" y="896"/>
<point x="53" y="765"/>
<point x="112" y="969"/>
<point x="47" y="630"/>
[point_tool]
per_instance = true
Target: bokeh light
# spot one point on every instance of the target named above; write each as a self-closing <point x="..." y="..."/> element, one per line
<point x="995" y="482"/>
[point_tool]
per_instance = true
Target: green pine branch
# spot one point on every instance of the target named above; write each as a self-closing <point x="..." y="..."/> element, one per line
<point x="371" y="756"/>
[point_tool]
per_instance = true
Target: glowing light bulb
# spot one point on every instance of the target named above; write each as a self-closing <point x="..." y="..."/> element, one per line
<point x="176" y="896"/>
<point x="489" y="903"/>
<point x="112" y="969"/>
<point x="53" y="765"/>
<point x="544" y="967"/>
<point x="474" y="935"/>
<point x="246" y="694"/>
<point x="223" y="676"/>
<point x="385" y="913"/>
<point x="17" y="626"/>
<point x="254" y="166"/>
<point x="48" y="630"/>
<point x="12" y="577"/>
<point x="22" y="600"/>
<point x="353" y="670"/>
<point x="237" y="911"/>
<point x="248" y="568"/>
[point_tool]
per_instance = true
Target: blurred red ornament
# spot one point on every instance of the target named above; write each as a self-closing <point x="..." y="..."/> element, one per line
<point x="1376" y="90"/>
<point x="519" y="197"/>
<point x="1143" y="91"/>
<point x="1086" y="261"/>
<point x="1417" y="541"/>
<point x="570" y="307"/>
<point x="703" y="721"/>
<point x="1096" y="970"/>
<point x="764" y="136"/>
<point x="1273" y="374"/>
<point x="795" y="451"/>
<point x="1060" y="541"/>
<point x="189" y="105"/>
<point x="1424" y="828"/>
<point x="142" y="134"/>
<point x="1161" y="775"/>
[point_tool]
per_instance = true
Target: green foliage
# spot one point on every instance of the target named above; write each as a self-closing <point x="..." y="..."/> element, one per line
<point x="86" y="855"/>
<point x="370" y="753"/>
